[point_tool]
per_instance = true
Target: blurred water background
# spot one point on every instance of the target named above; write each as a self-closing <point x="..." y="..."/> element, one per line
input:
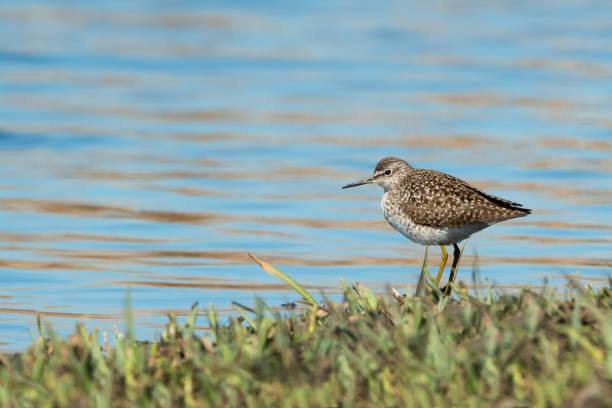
<point x="151" y="144"/>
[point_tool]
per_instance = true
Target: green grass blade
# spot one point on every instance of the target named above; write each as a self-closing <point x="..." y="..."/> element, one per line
<point x="285" y="278"/>
<point x="420" y="289"/>
<point x="191" y="319"/>
<point x="240" y="305"/>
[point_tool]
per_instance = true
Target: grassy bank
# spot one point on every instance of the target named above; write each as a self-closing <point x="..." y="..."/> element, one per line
<point x="528" y="349"/>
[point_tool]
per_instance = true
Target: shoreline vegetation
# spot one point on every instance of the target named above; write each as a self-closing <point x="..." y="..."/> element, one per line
<point x="536" y="349"/>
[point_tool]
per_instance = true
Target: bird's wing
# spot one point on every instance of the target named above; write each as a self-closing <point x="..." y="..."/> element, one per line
<point x="437" y="199"/>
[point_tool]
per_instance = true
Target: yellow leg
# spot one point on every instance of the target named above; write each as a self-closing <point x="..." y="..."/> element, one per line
<point x="442" y="265"/>
<point x="456" y="255"/>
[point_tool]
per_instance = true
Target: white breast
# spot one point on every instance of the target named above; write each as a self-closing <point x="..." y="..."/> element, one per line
<point x="421" y="234"/>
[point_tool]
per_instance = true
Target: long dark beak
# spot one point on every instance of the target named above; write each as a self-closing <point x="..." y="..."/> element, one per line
<point x="368" y="180"/>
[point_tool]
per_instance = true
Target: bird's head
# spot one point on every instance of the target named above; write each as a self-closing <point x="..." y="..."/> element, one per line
<point x="387" y="174"/>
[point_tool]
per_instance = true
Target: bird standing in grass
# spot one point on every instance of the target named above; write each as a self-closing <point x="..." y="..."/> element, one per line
<point x="433" y="208"/>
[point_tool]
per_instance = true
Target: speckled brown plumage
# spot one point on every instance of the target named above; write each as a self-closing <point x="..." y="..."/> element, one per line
<point x="388" y="162"/>
<point x="436" y="199"/>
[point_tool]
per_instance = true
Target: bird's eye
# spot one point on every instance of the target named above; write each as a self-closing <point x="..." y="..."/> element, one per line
<point x="387" y="172"/>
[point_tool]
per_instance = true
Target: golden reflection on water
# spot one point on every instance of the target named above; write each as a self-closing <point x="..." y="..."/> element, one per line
<point x="104" y="211"/>
<point x="200" y="218"/>
<point x="558" y="240"/>
<point x="98" y="316"/>
<point x="491" y="99"/>
<point x="216" y="286"/>
<point x="80" y="259"/>
<point x="41" y="237"/>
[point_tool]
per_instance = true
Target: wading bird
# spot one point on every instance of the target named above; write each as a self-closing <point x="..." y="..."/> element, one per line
<point x="433" y="208"/>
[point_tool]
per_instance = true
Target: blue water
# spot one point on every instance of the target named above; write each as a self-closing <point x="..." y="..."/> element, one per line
<point x="151" y="145"/>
